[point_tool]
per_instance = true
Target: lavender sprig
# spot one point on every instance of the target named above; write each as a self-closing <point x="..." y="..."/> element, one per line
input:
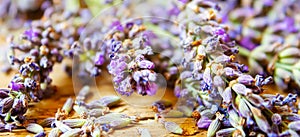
<point x="216" y="83"/>
<point x="268" y="37"/>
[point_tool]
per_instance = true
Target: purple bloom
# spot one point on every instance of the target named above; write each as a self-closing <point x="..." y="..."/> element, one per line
<point x="31" y="34"/>
<point x="177" y="91"/>
<point x="148" y="36"/>
<point x="246" y="80"/>
<point x="174" y="11"/>
<point x="219" y="31"/>
<point x="117" y="25"/>
<point x="99" y="60"/>
<point x="173" y="70"/>
<point x="146" y="64"/>
<point x="204" y="122"/>
<point x="148" y="88"/>
<point x="16" y="86"/>
<point x="247" y="43"/>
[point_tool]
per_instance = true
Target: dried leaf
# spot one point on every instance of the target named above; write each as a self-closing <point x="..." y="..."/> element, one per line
<point x="243" y="108"/>
<point x="68" y="105"/>
<point x="74" y="123"/>
<point x="173" y="127"/>
<point x="72" y="133"/>
<point x="260" y="119"/>
<point x="80" y="109"/>
<point x="295" y="125"/>
<point x="240" y="89"/>
<point x="96" y="132"/>
<point x="116" y="124"/>
<point x="34" y="128"/>
<point x="207" y="113"/>
<point x="106" y="101"/>
<point x="106" y="119"/>
<point x="62" y="127"/>
<point x="47" y="122"/>
<point x="213" y="127"/>
<point x="225" y="132"/>
<point x="227" y="95"/>
<point x="41" y="134"/>
<point x="55" y="132"/>
<point x="290" y="117"/>
<point x="98" y="112"/>
<point x="83" y="93"/>
<point x="233" y="118"/>
<point x="289" y="52"/>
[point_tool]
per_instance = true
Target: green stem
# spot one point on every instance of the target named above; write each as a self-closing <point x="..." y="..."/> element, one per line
<point x="284" y="66"/>
<point x="160" y="31"/>
<point x="243" y="51"/>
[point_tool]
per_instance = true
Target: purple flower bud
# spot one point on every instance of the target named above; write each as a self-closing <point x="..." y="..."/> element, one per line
<point x="6" y="104"/>
<point x="174" y="11"/>
<point x="246" y="80"/>
<point x="229" y="72"/>
<point x="99" y="60"/>
<point x="147" y="36"/>
<point x="4" y="93"/>
<point x="30" y="34"/>
<point x="173" y="70"/>
<point x="204" y="122"/>
<point x="16" y="86"/>
<point x="146" y="64"/>
<point x="186" y="74"/>
<point x="177" y="91"/>
<point x="151" y="89"/>
<point x="117" y="25"/>
<point x="240" y="89"/>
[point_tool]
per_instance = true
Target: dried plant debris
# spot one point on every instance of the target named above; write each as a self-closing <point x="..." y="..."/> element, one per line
<point x="143" y="132"/>
<point x="197" y="56"/>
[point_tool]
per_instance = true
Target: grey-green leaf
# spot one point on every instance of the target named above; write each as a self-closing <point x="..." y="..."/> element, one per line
<point x="74" y="123"/>
<point x="34" y="128"/>
<point x="213" y="127"/>
<point x="173" y="127"/>
<point x="55" y="132"/>
<point x="72" y="133"/>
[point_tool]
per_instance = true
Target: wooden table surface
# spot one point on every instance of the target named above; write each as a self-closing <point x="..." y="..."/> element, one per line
<point x="48" y="107"/>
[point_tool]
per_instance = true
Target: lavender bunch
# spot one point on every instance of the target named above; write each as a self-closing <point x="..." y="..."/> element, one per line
<point x="227" y="100"/>
<point x="40" y="47"/>
<point x="268" y="37"/>
<point x="129" y="65"/>
<point x="32" y="82"/>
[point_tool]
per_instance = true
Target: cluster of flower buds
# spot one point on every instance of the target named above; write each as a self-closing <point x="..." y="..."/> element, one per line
<point x="225" y="98"/>
<point x="268" y="33"/>
<point x="131" y="70"/>
<point x="39" y="48"/>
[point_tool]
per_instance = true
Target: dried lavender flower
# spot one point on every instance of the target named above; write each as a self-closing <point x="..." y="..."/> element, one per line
<point x="54" y="132"/>
<point x="173" y="127"/>
<point x="34" y="128"/>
